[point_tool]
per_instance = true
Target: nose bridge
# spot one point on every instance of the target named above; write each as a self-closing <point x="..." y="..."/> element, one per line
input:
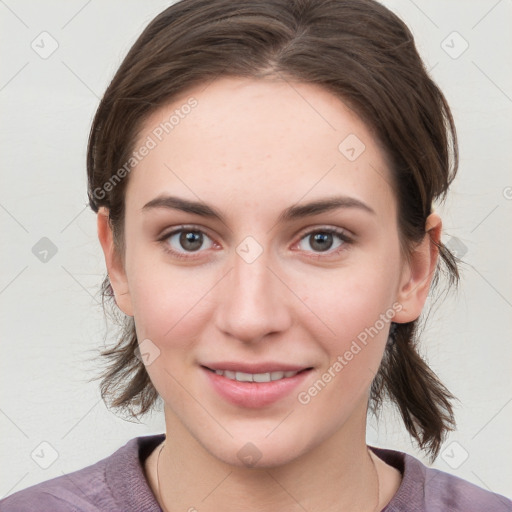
<point x="253" y="304"/>
<point x="252" y="277"/>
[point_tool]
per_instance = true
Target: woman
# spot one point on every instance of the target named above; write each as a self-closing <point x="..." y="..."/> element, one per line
<point x="264" y="174"/>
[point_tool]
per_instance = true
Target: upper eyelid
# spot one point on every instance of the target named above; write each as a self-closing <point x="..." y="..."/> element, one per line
<point x="177" y="229"/>
<point x="327" y="228"/>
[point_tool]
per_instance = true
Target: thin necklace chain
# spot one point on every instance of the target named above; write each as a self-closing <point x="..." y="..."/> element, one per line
<point x="376" y="509"/>
<point x="377" y="478"/>
<point x="158" y="478"/>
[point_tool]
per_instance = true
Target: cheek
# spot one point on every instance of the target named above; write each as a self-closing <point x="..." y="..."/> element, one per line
<point x="356" y="305"/>
<point x="170" y="309"/>
<point x="357" y="310"/>
<point x="351" y="299"/>
<point x="167" y="300"/>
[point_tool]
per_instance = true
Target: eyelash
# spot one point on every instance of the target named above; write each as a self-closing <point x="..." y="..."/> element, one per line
<point x="334" y="231"/>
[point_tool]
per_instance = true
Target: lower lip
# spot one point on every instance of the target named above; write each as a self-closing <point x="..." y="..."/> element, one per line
<point x="254" y="394"/>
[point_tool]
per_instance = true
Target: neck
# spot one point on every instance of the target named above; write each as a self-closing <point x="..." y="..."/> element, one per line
<point x="191" y="478"/>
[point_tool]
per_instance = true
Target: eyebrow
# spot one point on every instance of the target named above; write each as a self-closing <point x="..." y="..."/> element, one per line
<point x="292" y="213"/>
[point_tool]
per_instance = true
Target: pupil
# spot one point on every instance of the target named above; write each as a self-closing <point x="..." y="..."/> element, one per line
<point x="321" y="239"/>
<point x="191" y="237"/>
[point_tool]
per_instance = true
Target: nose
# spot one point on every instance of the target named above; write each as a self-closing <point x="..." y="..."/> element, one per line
<point x="253" y="301"/>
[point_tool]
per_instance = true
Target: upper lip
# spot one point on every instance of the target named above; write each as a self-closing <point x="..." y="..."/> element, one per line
<point x="255" y="367"/>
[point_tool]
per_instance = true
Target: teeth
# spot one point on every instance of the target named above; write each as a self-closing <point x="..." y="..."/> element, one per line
<point x="261" y="377"/>
<point x="243" y="377"/>
<point x="255" y="377"/>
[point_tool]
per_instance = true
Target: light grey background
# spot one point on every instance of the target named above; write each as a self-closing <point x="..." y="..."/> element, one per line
<point x="51" y="319"/>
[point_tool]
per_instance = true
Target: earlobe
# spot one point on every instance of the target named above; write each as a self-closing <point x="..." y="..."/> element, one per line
<point x="418" y="272"/>
<point x="114" y="264"/>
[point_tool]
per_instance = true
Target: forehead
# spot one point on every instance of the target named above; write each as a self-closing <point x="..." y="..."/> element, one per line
<point x="251" y="141"/>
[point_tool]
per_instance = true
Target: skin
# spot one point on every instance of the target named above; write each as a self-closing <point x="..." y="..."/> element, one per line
<point x="252" y="148"/>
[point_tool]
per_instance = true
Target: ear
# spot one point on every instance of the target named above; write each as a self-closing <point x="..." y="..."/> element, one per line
<point x="114" y="263"/>
<point x="417" y="274"/>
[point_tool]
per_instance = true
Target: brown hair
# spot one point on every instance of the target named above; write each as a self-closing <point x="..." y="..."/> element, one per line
<point x="356" y="49"/>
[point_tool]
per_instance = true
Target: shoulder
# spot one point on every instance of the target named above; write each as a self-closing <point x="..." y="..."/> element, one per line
<point x="449" y="492"/>
<point x="103" y="486"/>
<point x="424" y="488"/>
<point x="79" y="490"/>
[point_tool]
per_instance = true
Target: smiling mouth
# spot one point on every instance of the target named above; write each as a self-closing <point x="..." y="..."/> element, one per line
<point x="257" y="377"/>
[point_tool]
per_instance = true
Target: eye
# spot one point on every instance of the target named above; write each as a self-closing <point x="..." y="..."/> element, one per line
<point x="323" y="240"/>
<point x="185" y="240"/>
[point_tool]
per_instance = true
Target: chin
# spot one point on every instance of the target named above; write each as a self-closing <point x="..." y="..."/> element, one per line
<point x="260" y="453"/>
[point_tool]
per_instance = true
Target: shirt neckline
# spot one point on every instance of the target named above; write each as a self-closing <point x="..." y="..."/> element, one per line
<point x="131" y="490"/>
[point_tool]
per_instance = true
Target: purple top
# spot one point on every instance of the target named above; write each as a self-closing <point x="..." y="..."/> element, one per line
<point x="117" y="484"/>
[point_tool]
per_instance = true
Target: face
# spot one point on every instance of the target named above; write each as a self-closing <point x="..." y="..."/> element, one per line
<point x="254" y="281"/>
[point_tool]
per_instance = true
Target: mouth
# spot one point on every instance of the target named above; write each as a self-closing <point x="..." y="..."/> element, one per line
<point x="257" y="388"/>
<point x="241" y="376"/>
